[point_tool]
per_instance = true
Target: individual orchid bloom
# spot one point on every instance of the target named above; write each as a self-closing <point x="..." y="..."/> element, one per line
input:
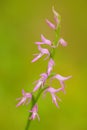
<point x="56" y="18"/>
<point x="42" y="52"/>
<point x="50" y="24"/>
<point x="44" y="41"/>
<point x="61" y="80"/>
<point x="50" y="66"/>
<point x="53" y="92"/>
<point x="41" y="81"/>
<point x="34" y="113"/>
<point x="26" y="98"/>
<point x="62" y="42"/>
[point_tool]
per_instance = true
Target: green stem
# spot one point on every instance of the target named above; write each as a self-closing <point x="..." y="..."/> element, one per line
<point x="34" y="101"/>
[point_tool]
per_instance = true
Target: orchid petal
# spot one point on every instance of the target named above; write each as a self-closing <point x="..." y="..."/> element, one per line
<point x="51" y="25"/>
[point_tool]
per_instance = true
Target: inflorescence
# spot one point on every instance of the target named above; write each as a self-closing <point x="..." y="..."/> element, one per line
<point x="41" y="85"/>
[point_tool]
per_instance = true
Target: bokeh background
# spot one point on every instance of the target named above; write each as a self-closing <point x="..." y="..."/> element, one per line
<point x="21" y="23"/>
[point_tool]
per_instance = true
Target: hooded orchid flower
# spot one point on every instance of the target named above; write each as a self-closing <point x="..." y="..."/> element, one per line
<point x="53" y="92"/>
<point x="34" y="113"/>
<point x="61" y="80"/>
<point x="42" y="52"/>
<point x="26" y="97"/>
<point x="50" y="24"/>
<point x="44" y="41"/>
<point x="62" y="42"/>
<point x="41" y="81"/>
<point x="56" y="19"/>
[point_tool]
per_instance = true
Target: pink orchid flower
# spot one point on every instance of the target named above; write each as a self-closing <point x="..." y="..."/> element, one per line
<point x="26" y="97"/>
<point x="61" y="80"/>
<point x="50" y="24"/>
<point x="44" y="41"/>
<point x="34" y="113"/>
<point x="41" y="81"/>
<point x="62" y="42"/>
<point x="42" y="52"/>
<point x="56" y="18"/>
<point x="50" y="66"/>
<point x="53" y="92"/>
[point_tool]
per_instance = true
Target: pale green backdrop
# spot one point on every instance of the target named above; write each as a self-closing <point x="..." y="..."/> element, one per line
<point x="21" y="23"/>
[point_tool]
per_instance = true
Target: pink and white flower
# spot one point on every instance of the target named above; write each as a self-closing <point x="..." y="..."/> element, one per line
<point x="61" y="80"/>
<point x="50" y="24"/>
<point x="44" y="41"/>
<point x="42" y="52"/>
<point x="62" y="42"/>
<point x="25" y="99"/>
<point x="56" y="18"/>
<point x="41" y="81"/>
<point x="53" y="92"/>
<point x="34" y="113"/>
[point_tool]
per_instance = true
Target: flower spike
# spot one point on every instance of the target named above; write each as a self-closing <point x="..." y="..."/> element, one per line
<point x="42" y="84"/>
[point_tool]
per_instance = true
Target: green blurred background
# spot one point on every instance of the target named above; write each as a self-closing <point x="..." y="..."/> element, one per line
<point x="21" y="23"/>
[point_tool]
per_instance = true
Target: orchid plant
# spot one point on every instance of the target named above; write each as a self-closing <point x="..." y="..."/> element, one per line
<point x="41" y="85"/>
